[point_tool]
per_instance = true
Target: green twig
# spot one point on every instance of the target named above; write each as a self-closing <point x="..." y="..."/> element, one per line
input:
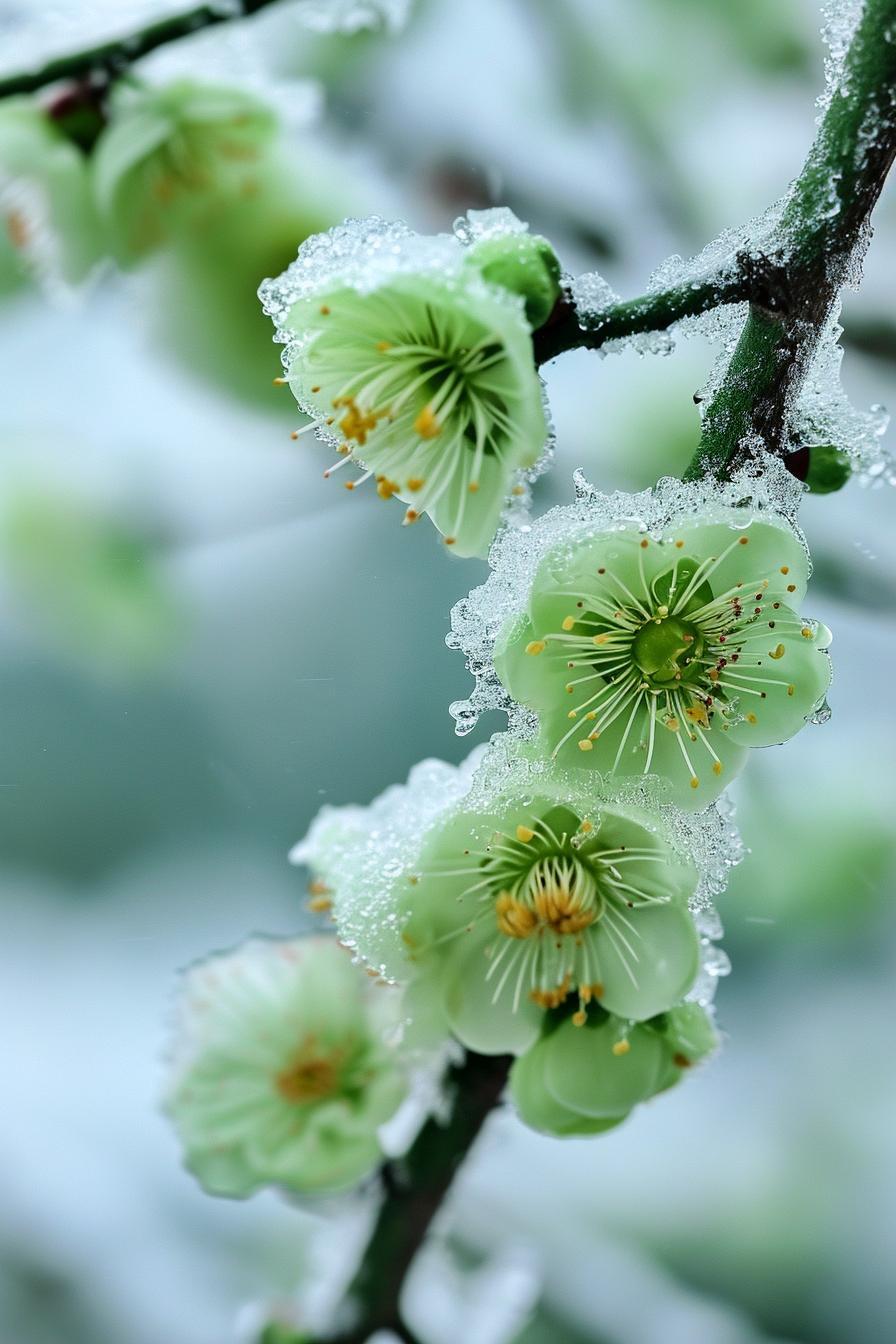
<point x="112" y="58"/>
<point x="824" y="225"/>
<point x="567" y="329"/>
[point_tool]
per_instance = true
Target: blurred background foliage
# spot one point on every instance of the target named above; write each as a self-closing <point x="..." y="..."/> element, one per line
<point x="202" y="641"/>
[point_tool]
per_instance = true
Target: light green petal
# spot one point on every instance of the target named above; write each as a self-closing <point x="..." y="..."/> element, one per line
<point x="223" y="1171"/>
<point x="532" y="678"/>
<point x="437" y="901"/>
<point x="423" y="1008"/>
<point x="539" y="1109"/>
<point x="671" y="877"/>
<point x="770" y="547"/>
<point x="480" y="1023"/>
<point x="479" y="514"/>
<point x="582" y="1073"/>
<point x="667" y="761"/>
<point x="658" y="966"/>
<point x="794" y="683"/>
<point x="689" y="1031"/>
<point x="170" y="151"/>
<point x="318" y="1161"/>
<point x="350" y="340"/>
<point x="566" y="577"/>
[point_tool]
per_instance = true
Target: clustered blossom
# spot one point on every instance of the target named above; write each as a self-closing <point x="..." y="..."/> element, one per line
<point x="514" y="900"/>
<point x="550" y="897"/>
<point x="284" y="1069"/>
<point x="417" y="367"/>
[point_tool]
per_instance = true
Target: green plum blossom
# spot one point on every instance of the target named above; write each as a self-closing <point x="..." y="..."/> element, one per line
<point x="46" y="211"/>
<point x="664" y="647"/>
<point x="416" y="368"/>
<point x="283" y="1069"/>
<point x="170" y="155"/>
<point x="505" y="890"/>
<point x="576" y="1082"/>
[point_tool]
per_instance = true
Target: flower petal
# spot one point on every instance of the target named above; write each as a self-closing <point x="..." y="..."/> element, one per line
<point x="624" y="748"/>
<point x="480" y="1020"/>
<point x="790" y="671"/>
<point x="647" y="963"/>
<point x="539" y="1109"/>
<point x="582" y="1071"/>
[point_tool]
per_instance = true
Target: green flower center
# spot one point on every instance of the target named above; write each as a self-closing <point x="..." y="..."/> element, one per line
<point x="668" y="650"/>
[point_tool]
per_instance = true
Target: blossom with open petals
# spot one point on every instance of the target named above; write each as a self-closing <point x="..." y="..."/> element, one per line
<point x="416" y="368"/>
<point x="504" y="890"/>
<point x="283" y="1071"/>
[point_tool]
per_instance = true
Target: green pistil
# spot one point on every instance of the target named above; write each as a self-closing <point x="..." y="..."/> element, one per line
<point x="667" y="650"/>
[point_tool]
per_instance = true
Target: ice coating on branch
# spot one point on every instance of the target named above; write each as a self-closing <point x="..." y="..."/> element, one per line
<point x="824" y="414"/>
<point x="763" y="488"/>
<point x="592" y="295"/>
<point x="839" y="21"/>
<point x="368" y="856"/>
<point x="350" y="16"/>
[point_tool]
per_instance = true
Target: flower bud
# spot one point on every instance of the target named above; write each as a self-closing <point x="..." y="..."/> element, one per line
<point x="829" y="469"/>
<point x="525" y="264"/>
<point x="578" y="1080"/>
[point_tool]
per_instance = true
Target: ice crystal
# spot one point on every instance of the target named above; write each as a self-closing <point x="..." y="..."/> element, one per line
<point x="350" y="16"/>
<point x="823" y="414"/>
<point x="839" y="21"/>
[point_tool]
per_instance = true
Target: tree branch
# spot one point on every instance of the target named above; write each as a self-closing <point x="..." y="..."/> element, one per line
<point x="823" y="228"/>
<point x="567" y="329"/>
<point x="111" y="58"/>
<point x="414" y="1188"/>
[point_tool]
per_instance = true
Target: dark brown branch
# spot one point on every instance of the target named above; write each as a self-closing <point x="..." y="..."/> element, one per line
<point x="414" y="1189"/>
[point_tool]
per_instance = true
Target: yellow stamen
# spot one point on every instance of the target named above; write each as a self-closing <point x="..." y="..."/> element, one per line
<point x="426" y="424"/>
<point x="535" y="646"/>
<point x="525" y="834"/>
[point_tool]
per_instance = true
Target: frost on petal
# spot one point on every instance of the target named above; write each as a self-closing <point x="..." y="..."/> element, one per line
<point x="366" y="856"/>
